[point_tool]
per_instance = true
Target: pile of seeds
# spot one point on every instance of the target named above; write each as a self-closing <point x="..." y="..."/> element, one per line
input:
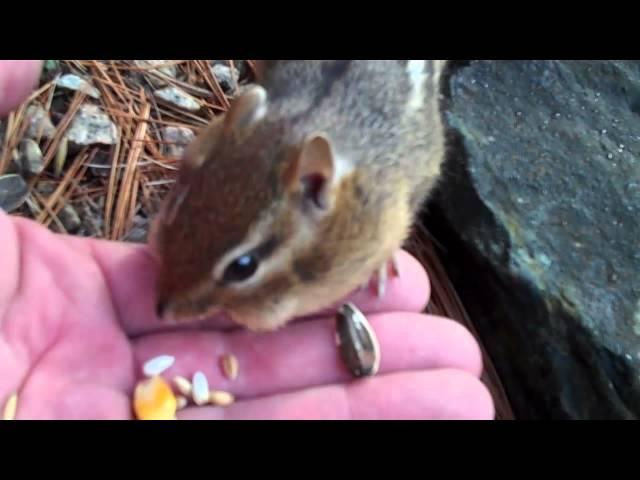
<point x="155" y="398"/>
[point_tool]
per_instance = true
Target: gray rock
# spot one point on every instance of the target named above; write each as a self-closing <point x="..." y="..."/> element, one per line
<point x="92" y="217"/>
<point x="242" y="66"/>
<point x="178" y="138"/>
<point x="30" y="159"/>
<point x="13" y="192"/>
<point x="46" y="187"/>
<point x="69" y="218"/>
<point x="74" y="82"/>
<point x="227" y="78"/>
<point x="14" y="165"/>
<point x="539" y="213"/>
<point x="178" y="98"/>
<point x="169" y="70"/>
<point x="40" y="123"/>
<point x="138" y="231"/>
<point x="101" y="164"/>
<point x="92" y="126"/>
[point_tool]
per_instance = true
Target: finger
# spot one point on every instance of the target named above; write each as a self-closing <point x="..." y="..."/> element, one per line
<point x="305" y="354"/>
<point x="410" y="292"/>
<point x="17" y="79"/>
<point x="426" y="395"/>
<point x="130" y="271"/>
<point x="9" y="279"/>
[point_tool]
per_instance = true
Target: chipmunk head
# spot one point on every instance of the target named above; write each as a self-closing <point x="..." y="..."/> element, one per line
<point x="234" y="233"/>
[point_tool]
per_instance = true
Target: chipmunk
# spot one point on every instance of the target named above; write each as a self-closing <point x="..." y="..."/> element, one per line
<point x="302" y="192"/>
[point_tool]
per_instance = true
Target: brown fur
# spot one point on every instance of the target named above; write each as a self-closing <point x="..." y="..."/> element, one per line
<point x="242" y="187"/>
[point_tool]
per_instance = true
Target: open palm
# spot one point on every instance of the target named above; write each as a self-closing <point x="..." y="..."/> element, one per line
<point x="77" y="322"/>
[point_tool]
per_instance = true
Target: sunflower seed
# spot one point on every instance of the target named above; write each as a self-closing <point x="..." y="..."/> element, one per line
<point x="220" y="398"/>
<point x="157" y="365"/>
<point x="183" y="385"/>
<point x="357" y="342"/>
<point x="200" y="389"/>
<point x="11" y="407"/>
<point x="230" y="366"/>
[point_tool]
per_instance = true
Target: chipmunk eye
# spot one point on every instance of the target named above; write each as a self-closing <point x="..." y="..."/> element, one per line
<point x="240" y="269"/>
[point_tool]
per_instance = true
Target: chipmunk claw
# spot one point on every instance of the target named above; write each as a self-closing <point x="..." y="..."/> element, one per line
<point x="378" y="282"/>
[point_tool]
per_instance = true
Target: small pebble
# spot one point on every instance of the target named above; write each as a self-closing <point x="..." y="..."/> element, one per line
<point x="139" y="230"/>
<point x="178" y="98"/>
<point x="177" y="139"/>
<point x="69" y="218"/>
<point x="161" y="65"/>
<point x="46" y="187"/>
<point x="227" y="78"/>
<point x="13" y="192"/>
<point x="200" y="389"/>
<point x="30" y="158"/>
<point x="40" y="123"/>
<point x="74" y="82"/>
<point x="92" y="126"/>
<point x="158" y="365"/>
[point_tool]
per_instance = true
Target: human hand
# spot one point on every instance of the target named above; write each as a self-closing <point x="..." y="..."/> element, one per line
<point x="77" y="322"/>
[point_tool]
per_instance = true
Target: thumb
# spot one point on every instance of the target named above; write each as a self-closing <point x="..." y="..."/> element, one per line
<point x="17" y="79"/>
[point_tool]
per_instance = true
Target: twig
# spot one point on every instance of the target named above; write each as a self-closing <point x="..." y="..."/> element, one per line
<point x="129" y="174"/>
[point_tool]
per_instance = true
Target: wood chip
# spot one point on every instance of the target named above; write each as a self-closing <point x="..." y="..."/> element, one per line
<point x="11" y="407"/>
<point x="229" y="365"/>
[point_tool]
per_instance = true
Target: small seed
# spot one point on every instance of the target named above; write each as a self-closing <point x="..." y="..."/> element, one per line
<point x="230" y="366"/>
<point x="181" y="402"/>
<point x="11" y="407"/>
<point x="183" y="385"/>
<point x="200" y="389"/>
<point x="221" y="398"/>
<point x="158" y="365"/>
<point x="357" y="342"/>
<point x="61" y="156"/>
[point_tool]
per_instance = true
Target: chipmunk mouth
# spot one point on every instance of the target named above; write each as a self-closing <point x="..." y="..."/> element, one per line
<point x="169" y="312"/>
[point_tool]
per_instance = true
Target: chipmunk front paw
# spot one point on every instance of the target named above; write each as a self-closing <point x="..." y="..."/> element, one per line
<point x="380" y="278"/>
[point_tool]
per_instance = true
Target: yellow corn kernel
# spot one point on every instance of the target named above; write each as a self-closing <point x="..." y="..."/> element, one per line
<point x="153" y="399"/>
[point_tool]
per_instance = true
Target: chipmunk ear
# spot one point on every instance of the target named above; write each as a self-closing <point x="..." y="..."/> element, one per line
<point x="312" y="173"/>
<point x="246" y="111"/>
